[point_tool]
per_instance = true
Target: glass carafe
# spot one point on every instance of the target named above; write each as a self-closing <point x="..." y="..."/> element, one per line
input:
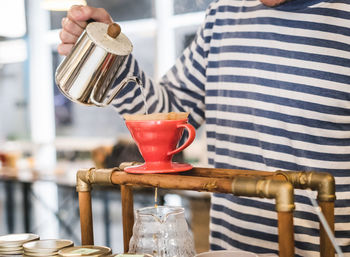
<point x="162" y="232"/>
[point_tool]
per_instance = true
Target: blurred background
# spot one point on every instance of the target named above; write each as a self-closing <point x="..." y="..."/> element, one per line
<point x="44" y="136"/>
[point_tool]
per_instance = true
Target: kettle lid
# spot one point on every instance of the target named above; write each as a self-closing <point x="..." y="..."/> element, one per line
<point x="120" y="45"/>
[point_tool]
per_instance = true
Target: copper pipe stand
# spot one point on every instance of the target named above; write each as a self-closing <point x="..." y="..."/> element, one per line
<point x="250" y="183"/>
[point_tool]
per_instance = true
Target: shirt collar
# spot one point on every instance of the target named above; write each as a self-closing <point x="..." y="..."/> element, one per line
<point x="298" y="4"/>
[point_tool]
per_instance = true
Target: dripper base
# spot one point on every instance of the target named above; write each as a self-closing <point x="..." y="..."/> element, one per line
<point x="174" y="167"/>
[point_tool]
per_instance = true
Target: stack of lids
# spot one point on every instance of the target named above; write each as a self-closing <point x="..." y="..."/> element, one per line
<point x="86" y="250"/>
<point x="13" y="243"/>
<point x="47" y="247"/>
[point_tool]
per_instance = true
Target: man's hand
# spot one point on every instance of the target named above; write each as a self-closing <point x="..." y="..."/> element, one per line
<point x="75" y="22"/>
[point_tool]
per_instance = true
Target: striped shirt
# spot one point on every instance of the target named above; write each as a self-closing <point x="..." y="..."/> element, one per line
<point x="272" y="86"/>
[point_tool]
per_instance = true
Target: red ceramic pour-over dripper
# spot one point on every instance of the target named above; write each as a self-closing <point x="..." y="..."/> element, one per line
<point x="157" y="142"/>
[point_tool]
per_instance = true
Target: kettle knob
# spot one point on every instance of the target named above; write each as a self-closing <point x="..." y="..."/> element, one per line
<point x="113" y="30"/>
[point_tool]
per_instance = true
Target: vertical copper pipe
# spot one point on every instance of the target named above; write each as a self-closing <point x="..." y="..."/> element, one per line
<point x="326" y="247"/>
<point x="285" y="234"/>
<point x="283" y="193"/>
<point x="324" y="184"/>
<point x="86" y="226"/>
<point x="127" y="214"/>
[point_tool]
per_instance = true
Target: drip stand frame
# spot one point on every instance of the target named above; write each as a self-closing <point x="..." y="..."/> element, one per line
<point x="276" y="185"/>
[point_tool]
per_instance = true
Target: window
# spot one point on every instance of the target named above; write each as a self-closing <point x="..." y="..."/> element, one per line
<point x="158" y="29"/>
<point x="13" y="56"/>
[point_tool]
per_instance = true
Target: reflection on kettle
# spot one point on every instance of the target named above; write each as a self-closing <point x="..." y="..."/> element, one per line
<point x="162" y="232"/>
<point x="87" y="74"/>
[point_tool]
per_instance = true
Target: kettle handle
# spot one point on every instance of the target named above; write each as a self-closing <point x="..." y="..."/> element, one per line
<point x="115" y="91"/>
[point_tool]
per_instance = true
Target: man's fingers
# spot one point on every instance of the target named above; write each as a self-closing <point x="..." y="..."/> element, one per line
<point x="72" y="27"/>
<point x="75" y="22"/>
<point x="84" y="13"/>
<point x="64" y="49"/>
<point x="67" y="38"/>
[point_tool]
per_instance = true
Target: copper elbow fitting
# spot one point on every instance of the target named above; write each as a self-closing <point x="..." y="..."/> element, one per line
<point x="85" y="178"/>
<point x="282" y="191"/>
<point x="322" y="182"/>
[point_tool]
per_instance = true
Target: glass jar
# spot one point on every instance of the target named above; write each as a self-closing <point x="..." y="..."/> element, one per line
<point x="162" y="231"/>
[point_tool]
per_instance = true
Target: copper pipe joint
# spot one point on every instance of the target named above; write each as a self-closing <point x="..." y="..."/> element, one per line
<point x="85" y="178"/>
<point x="282" y="191"/>
<point x="321" y="182"/>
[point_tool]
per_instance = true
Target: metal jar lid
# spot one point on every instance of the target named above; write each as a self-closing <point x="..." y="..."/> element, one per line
<point x="130" y="255"/>
<point x="16" y="240"/>
<point x="47" y="246"/>
<point x="9" y="252"/>
<point x="39" y="254"/>
<point x="85" y="250"/>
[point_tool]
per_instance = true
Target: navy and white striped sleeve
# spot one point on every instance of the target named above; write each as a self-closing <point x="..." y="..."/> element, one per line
<point x="182" y="88"/>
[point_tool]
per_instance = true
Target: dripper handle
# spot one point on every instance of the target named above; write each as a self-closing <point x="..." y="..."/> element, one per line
<point x="114" y="92"/>
<point x="191" y="135"/>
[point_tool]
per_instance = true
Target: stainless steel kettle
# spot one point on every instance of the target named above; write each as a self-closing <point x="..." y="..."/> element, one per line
<point x="88" y="73"/>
